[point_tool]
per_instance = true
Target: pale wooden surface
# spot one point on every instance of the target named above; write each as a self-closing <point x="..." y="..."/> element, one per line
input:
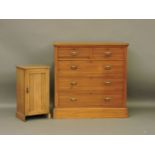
<point x="38" y="97"/>
<point x="81" y="70"/>
<point x="20" y="92"/>
<point x="32" y="67"/>
<point x="32" y="91"/>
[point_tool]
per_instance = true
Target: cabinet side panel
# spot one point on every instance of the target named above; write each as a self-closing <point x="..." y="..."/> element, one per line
<point x="125" y="76"/>
<point x="55" y="76"/>
<point x="47" y="90"/>
<point x="20" y="93"/>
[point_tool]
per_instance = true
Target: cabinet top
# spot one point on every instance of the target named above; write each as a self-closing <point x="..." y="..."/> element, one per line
<point x="90" y="44"/>
<point x="32" y="67"/>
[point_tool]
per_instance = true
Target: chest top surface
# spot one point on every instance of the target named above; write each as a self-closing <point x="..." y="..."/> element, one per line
<point x="90" y="44"/>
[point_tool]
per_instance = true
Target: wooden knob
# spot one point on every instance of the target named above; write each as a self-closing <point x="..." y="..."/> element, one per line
<point x="73" y="53"/>
<point x="107" y="82"/>
<point x="73" y="99"/>
<point x="73" y="67"/>
<point x="73" y="83"/>
<point x="107" y="99"/>
<point x="108" y="67"/>
<point x="107" y="53"/>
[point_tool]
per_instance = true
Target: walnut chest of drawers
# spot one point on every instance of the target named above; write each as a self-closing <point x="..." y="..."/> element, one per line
<point x="90" y="80"/>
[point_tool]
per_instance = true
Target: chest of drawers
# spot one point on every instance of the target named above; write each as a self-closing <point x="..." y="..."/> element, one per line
<point x="90" y="80"/>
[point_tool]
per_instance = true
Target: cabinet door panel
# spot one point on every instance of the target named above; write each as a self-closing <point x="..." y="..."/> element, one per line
<point x="37" y="93"/>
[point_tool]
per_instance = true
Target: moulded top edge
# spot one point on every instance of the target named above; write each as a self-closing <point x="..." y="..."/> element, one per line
<point x="90" y="43"/>
<point x="33" y="67"/>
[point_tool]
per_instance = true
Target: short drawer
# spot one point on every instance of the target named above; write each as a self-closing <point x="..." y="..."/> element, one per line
<point x="91" y="100"/>
<point x="91" y="84"/>
<point x="81" y="68"/>
<point x="74" y="52"/>
<point x="109" y="53"/>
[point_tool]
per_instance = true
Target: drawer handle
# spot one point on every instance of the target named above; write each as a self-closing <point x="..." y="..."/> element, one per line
<point x="107" y="82"/>
<point x="74" y="53"/>
<point x="73" y="83"/>
<point x="73" y="67"/>
<point x="73" y="99"/>
<point x="107" y="99"/>
<point x="107" y="53"/>
<point x="108" y="67"/>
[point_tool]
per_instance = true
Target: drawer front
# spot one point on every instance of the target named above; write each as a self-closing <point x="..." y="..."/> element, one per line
<point x="74" y="52"/>
<point x="91" y="100"/>
<point x="109" y="53"/>
<point x="91" y="84"/>
<point x="88" y="68"/>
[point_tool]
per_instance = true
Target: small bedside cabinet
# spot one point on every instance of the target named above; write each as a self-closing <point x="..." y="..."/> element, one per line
<point x="32" y="91"/>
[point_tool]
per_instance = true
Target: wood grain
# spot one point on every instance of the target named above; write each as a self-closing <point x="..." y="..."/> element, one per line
<point x="92" y="44"/>
<point x="89" y="67"/>
<point x="74" y="52"/>
<point x="32" y="91"/>
<point x="86" y="84"/>
<point x="89" y="100"/>
<point x="56" y="82"/>
<point x="70" y="113"/>
<point x="80" y="80"/>
<point x="113" y="53"/>
<point x="33" y="67"/>
<point x="20" y="92"/>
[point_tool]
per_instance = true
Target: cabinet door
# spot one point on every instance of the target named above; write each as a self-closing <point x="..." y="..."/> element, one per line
<point x="37" y="91"/>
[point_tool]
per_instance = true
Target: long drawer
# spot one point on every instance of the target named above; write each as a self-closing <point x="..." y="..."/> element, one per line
<point x="76" y="68"/>
<point x="89" y="100"/>
<point x="85" y="84"/>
